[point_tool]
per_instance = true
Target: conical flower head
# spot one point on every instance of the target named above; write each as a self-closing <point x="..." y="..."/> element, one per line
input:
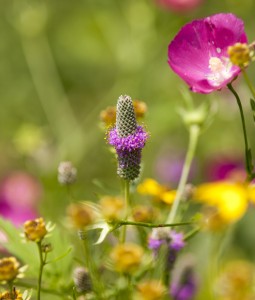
<point x="128" y="139"/>
<point x="125" y="119"/>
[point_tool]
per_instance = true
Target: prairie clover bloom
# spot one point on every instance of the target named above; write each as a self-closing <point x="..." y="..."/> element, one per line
<point x="184" y="281"/>
<point x="128" y="139"/>
<point x="127" y="257"/>
<point x="35" y="230"/>
<point x="170" y="238"/>
<point x="199" y="52"/>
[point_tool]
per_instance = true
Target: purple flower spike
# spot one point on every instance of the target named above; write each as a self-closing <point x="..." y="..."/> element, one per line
<point x="198" y="53"/>
<point x="129" y="143"/>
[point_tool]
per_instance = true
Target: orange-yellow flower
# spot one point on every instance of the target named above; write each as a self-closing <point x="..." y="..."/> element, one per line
<point x="35" y="230"/>
<point x="151" y="290"/>
<point x="230" y="199"/>
<point x="9" y="268"/>
<point x="81" y="215"/>
<point x="126" y="257"/>
<point x="112" y="207"/>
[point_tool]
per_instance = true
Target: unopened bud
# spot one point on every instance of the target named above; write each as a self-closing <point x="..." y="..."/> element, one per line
<point x="82" y="280"/>
<point x="66" y="173"/>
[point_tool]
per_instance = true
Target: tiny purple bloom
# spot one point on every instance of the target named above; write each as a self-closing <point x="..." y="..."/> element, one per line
<point x="177" y="240"/>
<point x="129" y="143"/>
<point x="154" y="243"/>
<point x="198" y="53"/>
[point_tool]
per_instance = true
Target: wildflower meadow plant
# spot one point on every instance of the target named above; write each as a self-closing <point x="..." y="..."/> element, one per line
<point x="130" y="243"/>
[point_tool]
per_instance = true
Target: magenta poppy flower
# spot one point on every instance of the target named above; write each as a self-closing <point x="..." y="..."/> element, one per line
<point x="179" y="5"/>
<point x="198" y="53"/>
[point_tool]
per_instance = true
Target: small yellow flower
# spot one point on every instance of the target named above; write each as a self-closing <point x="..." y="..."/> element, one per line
<point x="112" y="207"/>
<point x="108" y="116"/>
<point x="211" y="219"/>
<point x="127" y="257"/>
<point x="9" y="268"/>
<point x="142" y="213"/>
<point x="81" y="215"/>
<point x="35" y="230"/>
<point x="151" y="290"/>
<point x="236" y="281"/>
<point x="140" y="108"/>
<point x="240" y="54"/>
<point x="15" y="295"/>
<point x="168" y="196"/>
<point x="150" y="187"/>
<point x="230" y="199"/>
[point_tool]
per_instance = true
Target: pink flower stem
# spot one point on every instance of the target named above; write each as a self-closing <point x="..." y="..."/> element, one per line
<point x="248" y="158"/>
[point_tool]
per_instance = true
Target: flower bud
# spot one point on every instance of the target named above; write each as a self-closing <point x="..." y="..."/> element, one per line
<point x="66" y="173"/>
<point x="127" y="257"/>
<point x="35" y="230"/>
<point x="9" y="269"/>
<point x="80" y="215"/>
<point x="82" y="280"/>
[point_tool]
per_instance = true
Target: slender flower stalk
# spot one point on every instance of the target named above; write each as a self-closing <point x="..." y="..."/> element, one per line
<point x="248" y="161"/>
<point x="194" y="132"/>
<point x="42" y="264"/>
<point x="127" y="208"/>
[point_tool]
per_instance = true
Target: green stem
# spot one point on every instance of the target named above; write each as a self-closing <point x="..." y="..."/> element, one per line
<point x="42" y="263"/>
<point x="192" y="233"/>
<point x="194" y="132"/>
<point x="127" y="207"/>
<point x="11" y="289"/>
<point x="248" y="82"/>
<point x="247" y="160"/>
<point x="97" y="286"/>
<point x="125" y="223"/>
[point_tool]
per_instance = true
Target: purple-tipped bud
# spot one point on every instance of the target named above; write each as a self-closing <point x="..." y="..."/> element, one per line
<point x="128" y="139"/>
<point x="184" y="281"/>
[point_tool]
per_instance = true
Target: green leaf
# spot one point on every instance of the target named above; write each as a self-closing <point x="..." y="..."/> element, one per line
<point x="26" y="253"/>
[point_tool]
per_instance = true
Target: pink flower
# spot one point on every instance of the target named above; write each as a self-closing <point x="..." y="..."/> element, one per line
<point x="179" y="5"/>
<point x="198" y="53"/>
<point x="20" y="194"/>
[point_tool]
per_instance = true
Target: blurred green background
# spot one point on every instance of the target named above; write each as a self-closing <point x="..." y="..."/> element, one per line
<point x="62" y="62"/>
